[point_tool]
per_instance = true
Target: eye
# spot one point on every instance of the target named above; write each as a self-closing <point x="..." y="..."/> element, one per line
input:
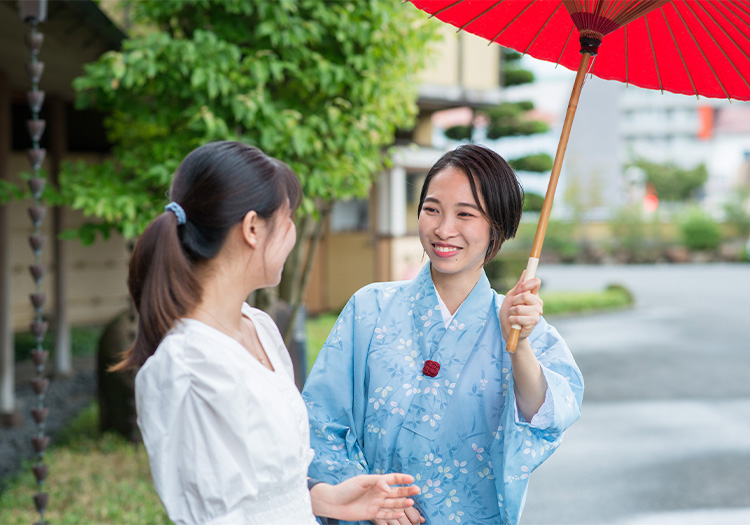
<point x="465" y="214"/>
<point x="429" y="209"/>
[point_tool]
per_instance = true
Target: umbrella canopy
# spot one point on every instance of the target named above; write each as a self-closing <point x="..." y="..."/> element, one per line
<point x="691" y="47"/>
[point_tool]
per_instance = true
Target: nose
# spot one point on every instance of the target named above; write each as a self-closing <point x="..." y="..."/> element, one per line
<point x="445" y="228"/>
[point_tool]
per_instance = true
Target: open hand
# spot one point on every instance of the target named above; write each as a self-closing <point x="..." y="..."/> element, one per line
<point x="365" y="497"/>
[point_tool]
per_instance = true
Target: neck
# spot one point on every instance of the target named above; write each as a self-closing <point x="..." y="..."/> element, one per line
<point x="454" y="288"/>
<point x="221" y="300"/>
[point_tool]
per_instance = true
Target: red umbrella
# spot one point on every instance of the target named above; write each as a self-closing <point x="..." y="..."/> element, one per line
<point x="693" y="47"/>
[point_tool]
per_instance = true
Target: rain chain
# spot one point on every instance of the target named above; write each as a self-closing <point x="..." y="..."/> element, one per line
<point x="37" y="212"/>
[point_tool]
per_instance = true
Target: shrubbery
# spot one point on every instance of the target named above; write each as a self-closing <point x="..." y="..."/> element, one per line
<point x="699" y="232"/>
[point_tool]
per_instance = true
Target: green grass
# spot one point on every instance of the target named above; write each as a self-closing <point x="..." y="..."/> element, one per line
<point x="94" y="479"/>
<point x="567" y="303"/>
<point x="318" y="328"/>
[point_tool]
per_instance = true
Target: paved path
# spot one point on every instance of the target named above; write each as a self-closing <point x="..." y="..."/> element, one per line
<point x="665" y="433"/>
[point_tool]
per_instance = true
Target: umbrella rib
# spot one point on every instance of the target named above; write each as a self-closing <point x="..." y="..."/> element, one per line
<point x="510" y="23"/>
<point x="542" y="26"/>
<point x="653" y="54"/>
<point x="741" y="33"/>
<point x="440" y="11"/>
<point x="627" y="71"/>
<point x="708" y="62"/>
<point x="679" y="52"/>
<point x="493" y="6"/>
<point x="743" y="13"/>
<point x="741" y="8"/>
<point x="731" y="62"/>
<point x="565" y="46"/>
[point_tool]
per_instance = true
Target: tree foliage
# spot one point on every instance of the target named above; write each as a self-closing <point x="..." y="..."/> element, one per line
<point x="320" y="85"/>
<point x="536" y="162"/>
<point x="671" y="182"/>
<point x="516" y="77"/>
<point x="510" y="119"/>
<point x="513" y="74"/>
<point x="532" y="202"/>
<point x="507" y="119"/>
<point x="459" y="132"/>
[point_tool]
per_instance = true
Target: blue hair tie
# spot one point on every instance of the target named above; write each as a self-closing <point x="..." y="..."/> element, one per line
<point x="178" y="211"/>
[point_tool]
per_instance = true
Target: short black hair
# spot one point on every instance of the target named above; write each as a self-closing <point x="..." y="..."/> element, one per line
<point x="498" y="184"/>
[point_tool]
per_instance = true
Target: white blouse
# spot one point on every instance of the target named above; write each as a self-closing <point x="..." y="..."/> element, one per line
<point x="227" y="438"/>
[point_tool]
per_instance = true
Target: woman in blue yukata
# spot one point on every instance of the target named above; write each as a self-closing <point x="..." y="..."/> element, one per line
<point x="415" y="378"/>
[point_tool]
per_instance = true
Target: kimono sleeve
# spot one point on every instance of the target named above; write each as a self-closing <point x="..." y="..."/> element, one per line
<point x="564" y="380"/>
<point x="334" y="395"/>
<point x="520" y="447"/>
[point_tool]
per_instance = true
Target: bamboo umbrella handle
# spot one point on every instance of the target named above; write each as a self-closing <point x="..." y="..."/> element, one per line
<point x="541" y="229"/>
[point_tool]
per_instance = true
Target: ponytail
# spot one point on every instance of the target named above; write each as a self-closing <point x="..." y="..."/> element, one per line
<point x="162" y="285"/>
<point x="214" y="188"/>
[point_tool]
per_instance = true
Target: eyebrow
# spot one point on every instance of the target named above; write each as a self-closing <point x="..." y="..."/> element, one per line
<point x="465" y="204"/>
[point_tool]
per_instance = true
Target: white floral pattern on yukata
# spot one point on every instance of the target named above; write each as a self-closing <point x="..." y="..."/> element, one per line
<point x="372" y="410"/>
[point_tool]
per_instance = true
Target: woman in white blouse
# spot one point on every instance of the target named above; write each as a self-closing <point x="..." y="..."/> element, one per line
<point x="225" y="428"/>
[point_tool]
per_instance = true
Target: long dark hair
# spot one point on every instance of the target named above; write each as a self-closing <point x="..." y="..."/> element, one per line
<point x="490" y="175"/>
<point x="216" y="185"/>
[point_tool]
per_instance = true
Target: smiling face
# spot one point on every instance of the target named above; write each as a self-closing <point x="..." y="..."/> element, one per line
<point x="453" y="231"/>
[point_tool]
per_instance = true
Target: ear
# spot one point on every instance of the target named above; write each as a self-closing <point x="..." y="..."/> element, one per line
<point x="250" y="224"/>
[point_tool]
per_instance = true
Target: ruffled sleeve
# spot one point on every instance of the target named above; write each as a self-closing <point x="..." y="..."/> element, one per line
<point x="192" y="427"/>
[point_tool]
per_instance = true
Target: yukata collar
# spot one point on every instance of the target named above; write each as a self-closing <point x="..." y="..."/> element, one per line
<point x="450" y="347"/>
<point x="422" y="286"/>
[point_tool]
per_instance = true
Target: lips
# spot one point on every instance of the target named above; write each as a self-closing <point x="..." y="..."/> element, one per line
<point x="445" y="250"/>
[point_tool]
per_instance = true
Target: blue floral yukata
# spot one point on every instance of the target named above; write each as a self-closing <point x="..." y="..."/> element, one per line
<point x="460" y="434"/>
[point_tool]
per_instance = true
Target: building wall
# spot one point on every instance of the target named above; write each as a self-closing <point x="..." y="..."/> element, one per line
<point x="443" y="69"/>
<point x="96" y="274"/>
<point x="464" y="60"/>
<point x="344" y="263"/>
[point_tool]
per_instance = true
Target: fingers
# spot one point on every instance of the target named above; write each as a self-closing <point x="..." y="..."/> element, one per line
<point x="397" y="503"/>
<point x="398" y="478"/>
<point x="403" y="492"/>
<point x="393" y="519"/>
<point x="414" y="516"/>
<point x="518" y="285"/>
<point x="530" y="285"/>
<point x="523" y="285"/>
<point x="526" y="309"/>
<point x="526" y="299"/>
<point x="388" y="480"/>
<point x="390" y="517"/>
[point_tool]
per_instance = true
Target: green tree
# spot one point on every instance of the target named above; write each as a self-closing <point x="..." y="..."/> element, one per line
<point x="321" y="85"/>
<point x="510" y="119"/>
<point x="671" y="182"/>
